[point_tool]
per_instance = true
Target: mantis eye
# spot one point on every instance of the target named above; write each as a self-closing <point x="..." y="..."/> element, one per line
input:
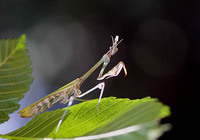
<point x="116" y="38"/>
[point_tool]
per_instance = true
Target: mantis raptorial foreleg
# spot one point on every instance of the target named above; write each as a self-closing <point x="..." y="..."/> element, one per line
<point x="111" y="52"/>
<point x="114" y="71"/>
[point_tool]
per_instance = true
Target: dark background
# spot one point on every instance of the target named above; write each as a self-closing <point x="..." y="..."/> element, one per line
<point x="160" y="50"/>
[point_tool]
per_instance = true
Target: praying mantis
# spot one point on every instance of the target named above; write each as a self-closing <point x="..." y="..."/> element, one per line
<point x="69" y="92"/>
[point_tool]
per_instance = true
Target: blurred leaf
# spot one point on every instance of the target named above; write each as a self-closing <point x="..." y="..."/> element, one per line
<point x="82" y="120"/>
<point x="15" y="75"/>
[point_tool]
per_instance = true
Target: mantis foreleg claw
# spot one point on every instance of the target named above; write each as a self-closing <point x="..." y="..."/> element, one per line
<point x="114" y="71"/>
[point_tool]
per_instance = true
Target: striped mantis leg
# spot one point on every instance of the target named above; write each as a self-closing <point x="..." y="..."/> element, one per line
<point x="73" y="97"/>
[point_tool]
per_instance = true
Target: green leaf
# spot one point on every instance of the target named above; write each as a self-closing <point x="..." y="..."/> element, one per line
<point x="82" y="120"/>
<point x="15" y="75"/>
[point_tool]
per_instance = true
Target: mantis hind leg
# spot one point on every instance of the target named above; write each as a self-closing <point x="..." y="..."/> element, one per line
<point x="70" y="101"/>
<point x="99" y="86"/>
<point x="72" y="98"/>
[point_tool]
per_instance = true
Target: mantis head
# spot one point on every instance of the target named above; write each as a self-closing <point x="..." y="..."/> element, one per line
<point x="115" y="42"/>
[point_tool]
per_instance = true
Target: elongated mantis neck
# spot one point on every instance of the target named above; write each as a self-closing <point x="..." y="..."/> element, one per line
<point x="87" y="74"/>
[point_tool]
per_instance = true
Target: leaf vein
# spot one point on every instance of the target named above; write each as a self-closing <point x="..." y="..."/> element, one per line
<point x="14" y="83"/>
<point x="13" y="91"/>
<point x="15" y="68"/>
<point x="15" y="74"/>
<point x="9" y="56"/>
<point x="9" y="99"/>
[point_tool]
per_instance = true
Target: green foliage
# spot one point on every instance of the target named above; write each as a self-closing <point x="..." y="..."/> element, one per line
<point x="82" y="120"/>
<point x="115" y="118"/>
<point x="15" y="75"/>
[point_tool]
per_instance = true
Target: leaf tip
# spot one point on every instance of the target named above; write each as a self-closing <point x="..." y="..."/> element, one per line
<point x="22" y="41"/>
